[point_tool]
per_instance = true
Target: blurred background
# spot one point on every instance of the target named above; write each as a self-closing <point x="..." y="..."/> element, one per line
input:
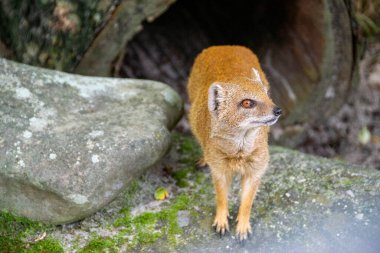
<point x="322" y="58"/>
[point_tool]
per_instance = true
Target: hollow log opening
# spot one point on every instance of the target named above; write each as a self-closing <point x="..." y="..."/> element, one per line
<point x="305" y="48"/>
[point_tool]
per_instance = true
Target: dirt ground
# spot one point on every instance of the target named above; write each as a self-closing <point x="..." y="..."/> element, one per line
<point x="353" y="134"/>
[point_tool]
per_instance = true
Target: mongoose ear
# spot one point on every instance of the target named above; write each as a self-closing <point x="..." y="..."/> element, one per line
<point x="257" y="78"/>
<point x="256" y="75"/>
<point x="214" y="94"/>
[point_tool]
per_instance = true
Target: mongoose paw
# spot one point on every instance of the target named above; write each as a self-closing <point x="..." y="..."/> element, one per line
<point x="243" y="230"/>
<point x="221" y="225"/>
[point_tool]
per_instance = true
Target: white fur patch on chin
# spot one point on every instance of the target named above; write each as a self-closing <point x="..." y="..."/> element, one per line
<point x="272" y="121"/>
<point x="254" y="122"/>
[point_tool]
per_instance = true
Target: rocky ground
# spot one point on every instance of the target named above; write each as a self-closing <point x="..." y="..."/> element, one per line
<point x="305" y="204"/>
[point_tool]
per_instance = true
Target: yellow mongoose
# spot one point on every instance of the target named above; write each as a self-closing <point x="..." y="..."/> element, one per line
<point x="230" y="116"/>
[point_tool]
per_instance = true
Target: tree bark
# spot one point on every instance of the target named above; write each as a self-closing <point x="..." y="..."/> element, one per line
<point x="64" y="34"/>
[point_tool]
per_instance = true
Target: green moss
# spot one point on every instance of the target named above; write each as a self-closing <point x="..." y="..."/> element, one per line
<point x="148" y="237"/>
<point x="146" y="218"/>
<point x="48" y="245"/>
<point x="100" y="244"/>
<point x="145" y="224"/>
<point x="190" y="153"/>
<point x="129" y="194"/>
<point x="182" y="183"/>
<point x="148" y="227"/>
<point x="8" y="244"/>
<point x="181" y="174"/>
<point x="200" y="177"/>
<point x="170" y="217"/>
<point x="12" y="225"/>
<point x="142" y="227"/>
<point x="188" y="148"/>
<point x="13" y="233"/>
<point x="75" y="245"/>
<point x="346" y="182"/>
<point x="125" y="220"/>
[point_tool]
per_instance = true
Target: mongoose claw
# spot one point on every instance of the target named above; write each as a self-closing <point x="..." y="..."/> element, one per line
<point x="221" y="227"/>
<point x="243" y="232"/>
<point x="241" y="242"/>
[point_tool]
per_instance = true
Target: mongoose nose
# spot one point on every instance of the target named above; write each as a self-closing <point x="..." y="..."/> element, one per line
<point x="277" y="111"/>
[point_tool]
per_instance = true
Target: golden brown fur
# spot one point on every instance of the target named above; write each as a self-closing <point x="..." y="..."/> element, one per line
<point x="233" y="138"/>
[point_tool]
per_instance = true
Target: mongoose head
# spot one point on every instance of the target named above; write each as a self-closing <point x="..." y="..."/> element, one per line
<point x="243" y="103"/>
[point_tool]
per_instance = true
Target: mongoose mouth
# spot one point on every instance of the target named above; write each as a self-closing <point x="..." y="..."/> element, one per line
<point x="267" y="122"/>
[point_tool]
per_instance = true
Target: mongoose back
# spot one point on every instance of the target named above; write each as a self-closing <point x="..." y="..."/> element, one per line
<point x="230" y="115"/>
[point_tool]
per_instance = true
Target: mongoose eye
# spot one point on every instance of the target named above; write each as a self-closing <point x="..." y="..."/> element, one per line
<point x="248" y="103"/>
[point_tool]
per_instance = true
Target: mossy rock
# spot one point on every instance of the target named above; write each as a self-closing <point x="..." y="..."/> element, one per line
<point x="70" y="144"/>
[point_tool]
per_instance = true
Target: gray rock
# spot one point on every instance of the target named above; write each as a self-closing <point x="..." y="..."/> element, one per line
<point x="183" y="218"/>
<point x="69" y="144"/>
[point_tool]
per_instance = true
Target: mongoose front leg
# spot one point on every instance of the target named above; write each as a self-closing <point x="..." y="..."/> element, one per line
<point x="221" y="184"/>
<point x="249" y="189"/>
